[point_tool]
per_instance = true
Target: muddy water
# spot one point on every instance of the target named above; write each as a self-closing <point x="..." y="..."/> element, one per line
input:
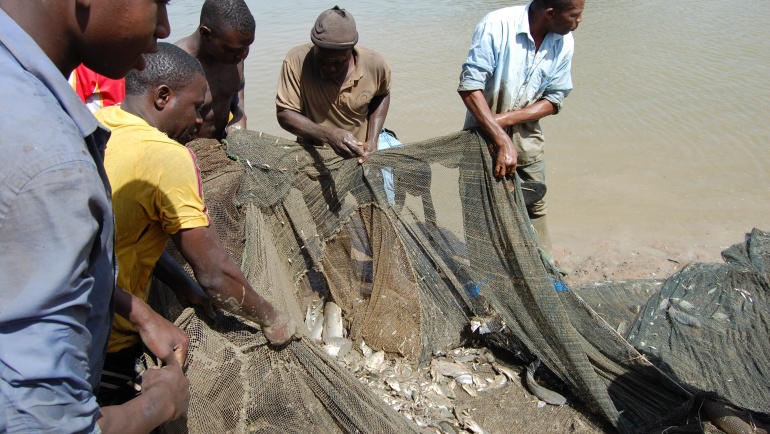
<point x="663" y="140"/>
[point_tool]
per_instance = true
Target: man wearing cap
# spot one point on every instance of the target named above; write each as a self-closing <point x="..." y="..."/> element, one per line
<point x="332" y="92"/>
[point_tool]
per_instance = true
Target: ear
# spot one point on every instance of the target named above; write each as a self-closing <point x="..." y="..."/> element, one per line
<point x="162" y="96"/>
<point x="550" y="14"/>
<point x="204" y="32"/>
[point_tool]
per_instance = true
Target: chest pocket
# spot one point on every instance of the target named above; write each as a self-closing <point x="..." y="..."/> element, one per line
<point x="360" y="99"/>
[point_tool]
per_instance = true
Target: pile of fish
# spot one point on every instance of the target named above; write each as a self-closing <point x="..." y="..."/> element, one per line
<point x="430" y="396"/>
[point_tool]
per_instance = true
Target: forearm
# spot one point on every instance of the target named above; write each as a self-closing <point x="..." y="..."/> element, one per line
<point x="485" y="120"/>
<point x="236" y="108"/>
<point x="131" y="307"/>
<point x="220" y="277"/>
<point x="140" y="415"/>
<point x="299" y="125"/>
<point x="173" y="275"/>
<point x="378" y="111"/>
<point x="530" y="113"/>
<point x="230" y="291"/>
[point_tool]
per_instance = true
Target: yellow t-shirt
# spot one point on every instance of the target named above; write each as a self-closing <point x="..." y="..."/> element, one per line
<point x="156" y="191"/>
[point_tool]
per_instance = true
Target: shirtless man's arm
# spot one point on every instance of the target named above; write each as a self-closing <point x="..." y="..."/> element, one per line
<point x="237" y="105"/>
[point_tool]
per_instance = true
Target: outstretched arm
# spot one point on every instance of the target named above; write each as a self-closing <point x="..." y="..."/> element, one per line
<point x="226" y="285"/>
<point x="378" y="111"/>
<point x="343" y="142"/>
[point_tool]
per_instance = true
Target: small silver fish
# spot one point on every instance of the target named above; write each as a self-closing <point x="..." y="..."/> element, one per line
<point x="541" y="392"/>
<point x="683" y="318"/>
<point x="497" y="383"/>
<point x="473" y="426"/>
<point x="508" y="372"/>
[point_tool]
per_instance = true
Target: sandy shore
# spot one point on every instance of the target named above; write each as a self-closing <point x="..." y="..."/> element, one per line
<point x="613" y="260"/>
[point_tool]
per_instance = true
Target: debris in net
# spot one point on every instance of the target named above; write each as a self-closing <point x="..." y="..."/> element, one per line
<point x="314" y="322"/>
<point x="473" y="426"/>
<point x="337" y="347"/>
<point x="486" y="325"/>
<point x="541" y="392"/>
<point x="496" y="383"/>
<point x="332" y="322"/>
<point x="508" y="372"/>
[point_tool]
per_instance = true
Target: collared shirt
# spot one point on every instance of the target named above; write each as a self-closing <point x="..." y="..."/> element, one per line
<point x="323" y="101"/>
<point x="157" y="191"/>
<point x="504" y="64"/>
<point x="56" y="232"/>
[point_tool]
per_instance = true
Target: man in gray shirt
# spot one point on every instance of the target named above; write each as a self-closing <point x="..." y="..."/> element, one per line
<point x="57" y="274"/>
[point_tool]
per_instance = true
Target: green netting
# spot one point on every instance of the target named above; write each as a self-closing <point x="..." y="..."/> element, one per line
<point x="410" y="269"/>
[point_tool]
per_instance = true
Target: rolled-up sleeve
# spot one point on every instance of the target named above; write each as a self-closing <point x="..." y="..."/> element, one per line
<point x="481" y="61"/>
<point x="560" y="85"/>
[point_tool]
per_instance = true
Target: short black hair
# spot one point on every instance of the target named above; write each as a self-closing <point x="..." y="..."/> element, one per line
<point x="171" y="66"/>
<point x="223" y="15"/>
<point x="558" y="5"/>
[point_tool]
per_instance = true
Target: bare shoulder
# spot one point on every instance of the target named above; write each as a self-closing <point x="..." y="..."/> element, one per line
<point x="188" y="44"/>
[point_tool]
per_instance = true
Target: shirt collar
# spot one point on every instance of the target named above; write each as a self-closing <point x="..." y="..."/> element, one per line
<point x="358" y="71"/>
<point x="32" y="58"/>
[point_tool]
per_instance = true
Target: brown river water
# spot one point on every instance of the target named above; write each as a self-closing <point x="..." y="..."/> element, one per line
<point x="661" y="149"/>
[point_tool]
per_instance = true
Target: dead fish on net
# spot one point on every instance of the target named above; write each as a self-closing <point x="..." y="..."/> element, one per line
<point x="449" y="369"/>
<point x="541" y="392"/>
<point x="473" y="426"/>
<point x="315" y="323"/>
<point x="726" y="419"/>
<point x="486" y="325"/>
<point x="446" y="427"/>
<point x="497" y="383"/>
<point x="683" y="318"/>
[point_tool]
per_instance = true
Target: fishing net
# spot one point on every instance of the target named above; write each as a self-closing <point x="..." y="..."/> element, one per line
<point x="415" y="246"/>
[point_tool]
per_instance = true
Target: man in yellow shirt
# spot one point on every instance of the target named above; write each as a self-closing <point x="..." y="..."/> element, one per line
<point x="157" y="194"/>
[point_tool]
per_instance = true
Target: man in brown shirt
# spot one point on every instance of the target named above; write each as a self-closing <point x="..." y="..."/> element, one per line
<point x="332" y="92"/>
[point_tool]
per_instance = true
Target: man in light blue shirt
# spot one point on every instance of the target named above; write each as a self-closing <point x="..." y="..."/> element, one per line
<point x="518" y="71"/>
<point x="57" y="275"/>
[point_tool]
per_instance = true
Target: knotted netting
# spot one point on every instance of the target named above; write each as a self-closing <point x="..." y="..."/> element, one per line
<point x="411" y="245"/>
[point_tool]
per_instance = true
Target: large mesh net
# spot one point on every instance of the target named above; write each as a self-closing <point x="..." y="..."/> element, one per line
<point x="415" y="246"/>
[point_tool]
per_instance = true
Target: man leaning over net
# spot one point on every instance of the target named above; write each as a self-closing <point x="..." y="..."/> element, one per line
<point x="157" y="195"/>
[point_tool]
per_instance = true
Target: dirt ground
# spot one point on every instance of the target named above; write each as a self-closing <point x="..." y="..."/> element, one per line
<point x="610" y="260"/>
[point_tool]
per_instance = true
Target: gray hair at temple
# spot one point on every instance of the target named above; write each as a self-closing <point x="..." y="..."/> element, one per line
<point x="170" y="66"/>
<point x="558" y="5"/>
<point x="223" y="15"/>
